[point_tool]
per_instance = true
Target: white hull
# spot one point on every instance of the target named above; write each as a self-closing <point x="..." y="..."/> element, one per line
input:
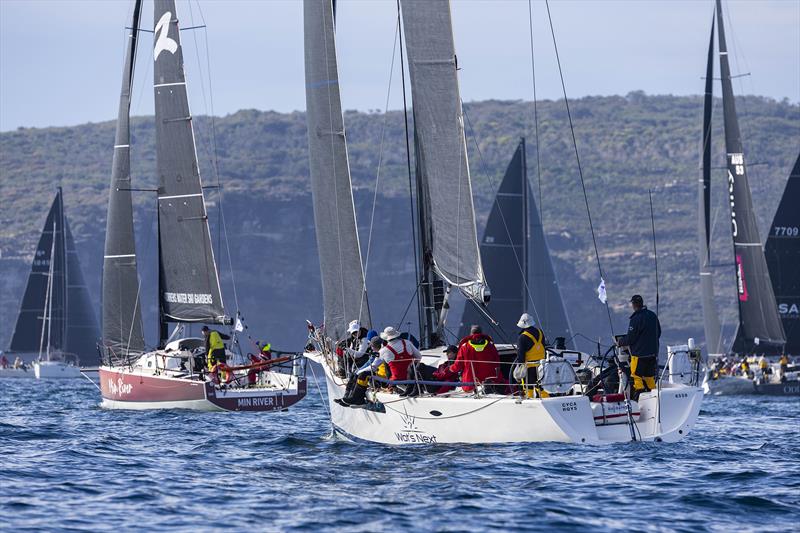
<point x="16" y="373"/>
<point x="194" y="405"/>
<point x="728" y="385"/>
<point x="464" y="418"/>
<point x="55" y="370"/>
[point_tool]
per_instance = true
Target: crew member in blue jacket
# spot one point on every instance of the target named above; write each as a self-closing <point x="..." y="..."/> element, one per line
<point x="644" y="330"/>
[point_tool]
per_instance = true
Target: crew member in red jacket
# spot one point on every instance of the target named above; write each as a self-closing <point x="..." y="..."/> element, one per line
<point x="477" y="359"/>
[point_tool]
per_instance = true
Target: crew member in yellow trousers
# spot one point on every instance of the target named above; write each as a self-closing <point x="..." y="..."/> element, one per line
<point x="644" y="331"/>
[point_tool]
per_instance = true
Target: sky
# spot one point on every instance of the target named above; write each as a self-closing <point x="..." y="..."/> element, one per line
<point x="61" y="60"/>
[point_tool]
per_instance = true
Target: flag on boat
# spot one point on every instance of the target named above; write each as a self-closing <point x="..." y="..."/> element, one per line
<point x="239" y="326"/>
<point x="601" y="290"/>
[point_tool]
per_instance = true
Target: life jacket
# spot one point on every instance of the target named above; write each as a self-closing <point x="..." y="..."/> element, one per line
<point x="763" y="364"/>
<point x="399" y="365"/>
<point x="536" y="352"/>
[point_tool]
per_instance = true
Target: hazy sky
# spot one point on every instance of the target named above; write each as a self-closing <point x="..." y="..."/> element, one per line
<point x="61" y="60"/>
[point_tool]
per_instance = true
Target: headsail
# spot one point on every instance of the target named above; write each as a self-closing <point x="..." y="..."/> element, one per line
<point x="122" y="317"/>
<point x="710" y="314"/>
<point x="759" y="322"/>
<point x="441" y="145"/>
<point x="343" y="288"/>
<point x="81" y="332"/>
<point x="189" y="289"/>
<point x="28" y="329"/>
<point x="783" y="259"/>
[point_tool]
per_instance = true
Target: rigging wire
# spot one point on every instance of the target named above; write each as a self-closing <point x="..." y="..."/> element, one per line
<point x="578" y="159"/>
<point x="655" y="251"/>
<point x="535" y="116"/>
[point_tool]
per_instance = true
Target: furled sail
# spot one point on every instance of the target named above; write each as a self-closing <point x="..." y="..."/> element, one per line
<point x="343" y="287"/>
<point x="28" y="329"/>
<point x="783" y="259"/>
<point x="759" y="322"/>
<point x="81" y="331"/>
<point x="710" y="314"/>
<point x="122" y="317"/>
<point x="441" y="145"/>
<point x="188" y="280"/>
<point x="509" y="245"/>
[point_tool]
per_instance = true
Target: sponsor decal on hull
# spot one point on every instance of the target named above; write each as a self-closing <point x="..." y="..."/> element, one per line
<point x="410" y="434"/>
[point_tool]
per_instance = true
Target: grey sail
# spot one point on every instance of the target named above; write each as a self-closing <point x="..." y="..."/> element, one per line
<point x="343" y="287"/>
<point x="81" y="331"/>
<point x="759" y="322"/>
<point x="27" y="334"/>
<point x="441" y="146"/>
<point x="189" y="289"/>
<point x="710" y="315"/>
<point x="122" y="317"/>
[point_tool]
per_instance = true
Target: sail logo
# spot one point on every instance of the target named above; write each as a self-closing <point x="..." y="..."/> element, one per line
<point x="789" y="310"/>
<point x="188" y="298"/>
<point x="163" y="41"/>
<point x="740" y="283"/>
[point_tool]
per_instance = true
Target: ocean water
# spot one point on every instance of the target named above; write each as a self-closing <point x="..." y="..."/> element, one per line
<point x="66" y="464"/>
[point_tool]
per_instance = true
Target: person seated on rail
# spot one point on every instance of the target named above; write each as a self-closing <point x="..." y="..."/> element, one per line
<point x="397" y="353"/>
<point x="374" y="344"/>
<point x="478" y="361"/>
<point x="442" y="372"/>
<point x="356" y="389"/>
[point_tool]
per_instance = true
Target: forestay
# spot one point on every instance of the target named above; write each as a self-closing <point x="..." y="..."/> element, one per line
<point x="122" y="319"/>
<point x="441" y="145"/>
<point x="343" y="287"/>
<point x="188" y="281"/>
<point x="759" y="322"/>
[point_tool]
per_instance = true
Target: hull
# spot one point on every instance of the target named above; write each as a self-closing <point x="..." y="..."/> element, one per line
<point x="56" y="370"/>
<point x="131" y="389"/>
<point x="789" y="388"/>
<point x="17" y="373"/>
<point x="729" y="385"/>
<point x="504" y="419"/>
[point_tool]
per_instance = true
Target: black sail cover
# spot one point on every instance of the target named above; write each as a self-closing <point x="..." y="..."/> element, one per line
<point x="27" y="334"/>
<point x="783" y="259"/>
<point x="82" y="332"/>
<point x="759" y="322"/>
<point x="188" y="280"/>
<point x="343" y="287"/>
<point x="122" y="317"/>
<point x="503" y="253"/>
<point x="710" y="314"/>
<point x="441" y="145"/>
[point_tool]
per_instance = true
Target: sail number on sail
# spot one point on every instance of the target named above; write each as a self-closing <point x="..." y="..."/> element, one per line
<point x="737" y="163"/>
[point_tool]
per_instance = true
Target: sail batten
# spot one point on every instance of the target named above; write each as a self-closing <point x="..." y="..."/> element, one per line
<point x="189" y="288"/>
<point x="441" y="146"/>
<point x="122" y="318"/>
<point x="343" y="287"/>
<point x="759" y="322"/>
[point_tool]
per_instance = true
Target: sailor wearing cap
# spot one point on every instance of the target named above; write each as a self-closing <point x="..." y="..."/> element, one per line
<point x="644" y="330"/>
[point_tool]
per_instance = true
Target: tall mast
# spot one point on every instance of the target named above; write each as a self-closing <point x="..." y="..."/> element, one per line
<point x="47" y="316"/>
<point x="525" y="227"/>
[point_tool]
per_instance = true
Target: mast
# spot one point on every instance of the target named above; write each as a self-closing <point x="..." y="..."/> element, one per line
<point x="448" y="239"/>
<point x="526" y="227"/>
<point x="343" y="287"/>
<point x="710" y="315"/>
<point x="782" y="252"/>
<point x="47" y="317"/>
<point x="122" y="317"/>
<point x="189" y="288"/>
<point x="759" y="322"/>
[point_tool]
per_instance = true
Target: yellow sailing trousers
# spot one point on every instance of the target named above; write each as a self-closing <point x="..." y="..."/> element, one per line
<point x="643" y="372"/>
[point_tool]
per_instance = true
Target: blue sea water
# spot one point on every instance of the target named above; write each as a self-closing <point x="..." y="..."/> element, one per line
<point x="66" y="464"/>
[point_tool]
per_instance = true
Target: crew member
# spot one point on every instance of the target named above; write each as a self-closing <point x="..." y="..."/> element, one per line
<point x="784" y="362"/>
<point x="442" y="372"/>
<point x="644" y="330"/>
<point x="215" y="347"/>
<point x="530" y="351"/>
<point x="477" y="359"/>
<point x="763" y="365"/>
<point x="258" y="363"/>
<point x="397" y="353"/>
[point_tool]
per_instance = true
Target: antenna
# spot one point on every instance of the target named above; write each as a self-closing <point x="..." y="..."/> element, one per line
<point x="655" y="251"/>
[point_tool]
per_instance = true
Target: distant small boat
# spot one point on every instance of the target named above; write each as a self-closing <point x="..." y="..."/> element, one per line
<point x="56" y="329"/>
<point x="174" y="375"/>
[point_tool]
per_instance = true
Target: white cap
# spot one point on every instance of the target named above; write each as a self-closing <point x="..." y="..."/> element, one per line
<point x="525" y="321"/>
<point x="353" y="326"/>
<point x="390" y="333"/>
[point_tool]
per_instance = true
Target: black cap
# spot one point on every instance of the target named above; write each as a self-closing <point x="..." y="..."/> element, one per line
<point x="451" y="348"/>
<point x="637" y="299"/>
<point x="204" y="328"/>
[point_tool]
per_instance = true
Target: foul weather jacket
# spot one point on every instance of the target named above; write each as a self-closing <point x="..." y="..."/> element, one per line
<point x="644" y="330"/>
<point x="477" y="360"/>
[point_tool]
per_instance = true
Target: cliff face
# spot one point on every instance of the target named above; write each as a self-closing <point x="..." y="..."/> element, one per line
<point x="627" y="145"/>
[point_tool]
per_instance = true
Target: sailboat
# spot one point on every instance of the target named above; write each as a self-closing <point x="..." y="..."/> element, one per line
<point x="56" y="330"/>
<point x="513" y="235"/>
<point x="450" y="259"/>
<point x="174" y="375"/>
<point x="759" y="328"/>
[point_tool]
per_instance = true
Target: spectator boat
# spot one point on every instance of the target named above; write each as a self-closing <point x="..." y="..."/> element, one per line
<point x="175" y="374"/>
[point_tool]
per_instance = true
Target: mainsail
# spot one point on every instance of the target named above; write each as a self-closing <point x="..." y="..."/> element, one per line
<point x="189" y="289"/>
<point x="510" y="243"/>
<point x="343" y="287"/>
<point x="759" y="322"/>
<point x="122" y="317"/>
<point x="67" y="311"/>
<point x="710" y="314"/>
<point x="783" y="259"/>
<point x="441" y="146"/>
